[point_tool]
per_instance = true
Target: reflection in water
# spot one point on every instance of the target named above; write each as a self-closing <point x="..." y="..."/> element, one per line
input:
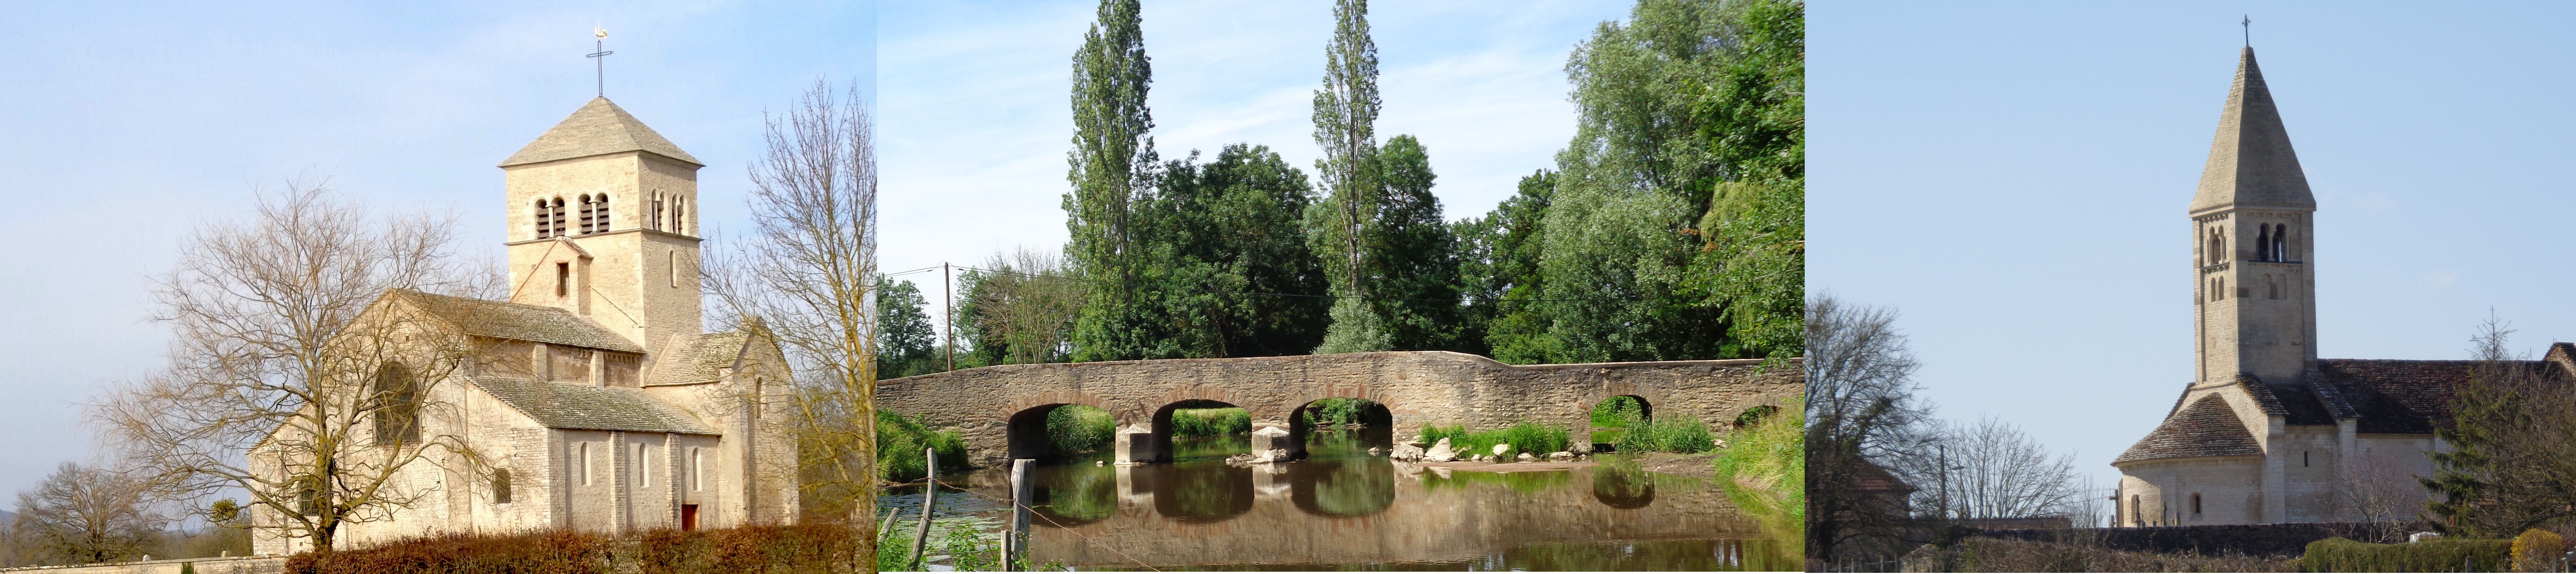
<point x="1344" y="509"/>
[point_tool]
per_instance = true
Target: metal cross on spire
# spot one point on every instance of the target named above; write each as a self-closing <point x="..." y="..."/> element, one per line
<point x="600" y="54"/>
<point x="2249" y="30"/>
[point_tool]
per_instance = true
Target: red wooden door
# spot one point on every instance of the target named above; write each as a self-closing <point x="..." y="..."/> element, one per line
<point x="688" y="517"/>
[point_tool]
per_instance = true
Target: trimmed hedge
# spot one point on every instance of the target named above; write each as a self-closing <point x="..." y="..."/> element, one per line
<point x="2445" y="555"/>
<point x="816" y="547"/>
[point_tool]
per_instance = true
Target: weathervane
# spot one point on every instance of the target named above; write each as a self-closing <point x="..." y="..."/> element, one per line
<point x="601" y="44"/>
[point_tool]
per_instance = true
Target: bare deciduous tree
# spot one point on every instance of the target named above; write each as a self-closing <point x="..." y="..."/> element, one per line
<point x="1862" y="421"/>
<point x="1026" y="302"/>
<point x="2373" y="488"/>
<point x="808" y="272"/>
<point x="86" y="514"/>
<point x="1997" y="471"/>
<point x="294" y="377"/>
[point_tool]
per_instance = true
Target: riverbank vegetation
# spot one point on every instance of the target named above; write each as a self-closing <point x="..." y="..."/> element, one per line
<point x="901" y="442"/>
<point x="1980" y="554"/>
<point x="1337" y="413"/>
<point x="1526" y="437"/>
<point x="1228" y="421"/>
<point x="1081" y="429"/>
<point x="1769" y="457"/>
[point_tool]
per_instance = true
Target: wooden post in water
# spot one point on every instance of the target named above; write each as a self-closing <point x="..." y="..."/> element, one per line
<point x="929" y="498"/>
<point x="1015" y="541"/>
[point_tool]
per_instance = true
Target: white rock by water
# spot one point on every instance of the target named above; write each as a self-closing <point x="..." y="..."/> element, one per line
<point x="1560" y="455"/>
<point x="1527" y="457"/>
<point x="1502" y="448"/>
<point x="1406" y="452"/>
<point x="1440" y="452"/>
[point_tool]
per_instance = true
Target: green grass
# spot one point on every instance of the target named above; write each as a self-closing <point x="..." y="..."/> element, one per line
<point x="901" y="440"/>
<point x="1524" y="437"/>
<point x="1210" y="422"/>
<point x="1770" y="455"/>
<point x="1680" y="434"/>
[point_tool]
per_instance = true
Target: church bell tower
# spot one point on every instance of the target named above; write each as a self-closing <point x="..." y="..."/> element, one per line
<point x="603" y="222"/>
<point x="2252" y="229"/>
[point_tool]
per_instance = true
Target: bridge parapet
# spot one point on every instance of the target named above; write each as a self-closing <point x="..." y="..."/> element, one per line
<point x="1418" y="388"/>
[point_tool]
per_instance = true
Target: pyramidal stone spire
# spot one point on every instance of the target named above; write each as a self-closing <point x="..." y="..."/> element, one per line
<point x="598" y="128"/>
<point x="2251" y="163"/>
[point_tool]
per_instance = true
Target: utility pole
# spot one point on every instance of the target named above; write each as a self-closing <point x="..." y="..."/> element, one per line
<point x="948" y="314"/>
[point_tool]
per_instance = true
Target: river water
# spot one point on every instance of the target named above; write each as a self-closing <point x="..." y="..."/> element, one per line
<point x="1343" y="509"/>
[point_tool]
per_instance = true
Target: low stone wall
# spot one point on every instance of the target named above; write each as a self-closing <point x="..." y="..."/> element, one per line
<point x="2289" y="539"/>
<point x="270" y="564"/>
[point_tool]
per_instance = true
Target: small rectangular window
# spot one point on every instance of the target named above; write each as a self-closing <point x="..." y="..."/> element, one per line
<point x="563" y="279"/>
<point x="581" y="456"/>
<point x="675" y="267"/>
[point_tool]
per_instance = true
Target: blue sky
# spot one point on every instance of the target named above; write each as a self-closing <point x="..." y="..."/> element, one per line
<point x="975" y="102"/>
<point x="2012" y="177"/>
<point x="126" y="123"/>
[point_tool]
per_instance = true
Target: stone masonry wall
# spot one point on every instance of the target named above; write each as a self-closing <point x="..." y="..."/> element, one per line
<point x="1418" y="387"/>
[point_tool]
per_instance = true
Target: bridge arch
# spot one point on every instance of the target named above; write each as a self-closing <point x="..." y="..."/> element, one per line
<point x="1418" y="388"/>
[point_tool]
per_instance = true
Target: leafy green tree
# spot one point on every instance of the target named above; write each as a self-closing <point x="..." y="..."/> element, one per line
<point x="1341" y="226"/>
<point x="907" y="344"/>
<point x="1230" y="273"/>
<point x="1110" y="166"/>
<point x="1499" y="272"/>
<point x="1690" y="117"/>
<point x="1019" y="308"/>
<point x="1413" y="260"/>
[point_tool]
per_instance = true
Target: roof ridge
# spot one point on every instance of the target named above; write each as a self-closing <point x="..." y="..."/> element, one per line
<point x="600" y="127"/>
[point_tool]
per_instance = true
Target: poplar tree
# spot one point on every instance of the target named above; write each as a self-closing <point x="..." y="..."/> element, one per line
<point x="1111" y="164"/>
<point x="1340" y="226"/>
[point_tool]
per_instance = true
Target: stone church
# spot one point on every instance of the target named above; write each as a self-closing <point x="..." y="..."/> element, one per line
<point x="597" y="402"/>
<point x="2267" y="432"/>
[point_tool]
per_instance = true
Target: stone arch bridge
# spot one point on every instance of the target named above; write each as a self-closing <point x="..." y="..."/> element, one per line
<point x="1001" y="410"/>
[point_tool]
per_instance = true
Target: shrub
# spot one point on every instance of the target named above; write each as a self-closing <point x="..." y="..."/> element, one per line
<point x="901" y="440"/>
<point x="1079" y="429"/>
<point x="547" y="552"/>
<point x="1524" y="437"/>
<point x="810" y="547"/>
<point x="2445" y="555"/>
<point x="1682" y="434"/>
<point x="1211" y="422"/>
<point x="2537" y="550"/>
<point x="1336" y="411"/>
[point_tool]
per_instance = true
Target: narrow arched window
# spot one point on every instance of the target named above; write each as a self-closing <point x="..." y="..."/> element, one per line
<point x="679" y="218"/>
<point x="2195" y="504"/>
<point x="697" y="469"/>
<point x="501" y="486"/>
<point x="643" y="465"/>
<point x="585" y="214"/>
<point x="581" y="459"/>
<point x="653" y="216"/>
<point x="537" y="218"/>
<point x="2217" y="247"/>
<point x="556" y="214"/>
<point x="396" y="399"/>
<point x="604" y="214"/>
<point x="2281" y="243"/>
<point x="308" y="496"/>
<point x="2134" y="508"/>
<point x="2262" y="243"/>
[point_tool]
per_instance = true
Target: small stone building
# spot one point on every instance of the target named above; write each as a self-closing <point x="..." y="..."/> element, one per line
<point x="2268" y="432"/>
<point x="596" y="400"/>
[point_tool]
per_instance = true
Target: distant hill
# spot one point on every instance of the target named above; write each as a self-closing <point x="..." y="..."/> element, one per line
<point x="6" y="517"/>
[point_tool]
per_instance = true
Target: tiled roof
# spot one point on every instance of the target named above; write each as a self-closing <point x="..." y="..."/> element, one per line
<point x="2250" y="162"/>
<point x="2400" y="396"/>
<point x="1873" y="478"/>
<point x="514" y="321"/>
<point x="585" y="407"/>
<point x="698" y="358"/>
<point x="599" y="127"/>
<point x="2206" y="428"/>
